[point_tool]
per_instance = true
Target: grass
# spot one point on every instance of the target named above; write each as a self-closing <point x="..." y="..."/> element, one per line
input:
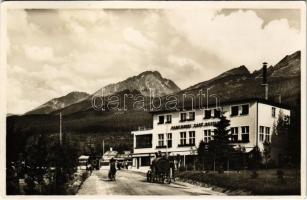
<point x="267" y="183"/>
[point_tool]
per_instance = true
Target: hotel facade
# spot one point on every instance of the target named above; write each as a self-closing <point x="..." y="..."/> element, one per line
<point x="178" y="133"/>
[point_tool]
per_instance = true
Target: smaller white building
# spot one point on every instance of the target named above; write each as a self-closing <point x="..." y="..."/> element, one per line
<point x="178" y="133"/>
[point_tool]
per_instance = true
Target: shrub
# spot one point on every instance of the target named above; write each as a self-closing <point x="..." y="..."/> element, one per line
<point x="266" y="183"/>
<point x="280" y="175"/>
<point x="182" y="169"/>
<point x="254" y="174"/>
<point x="84" y="176"/>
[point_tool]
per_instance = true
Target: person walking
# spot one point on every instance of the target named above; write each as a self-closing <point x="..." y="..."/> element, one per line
<point x="112" y="171"/>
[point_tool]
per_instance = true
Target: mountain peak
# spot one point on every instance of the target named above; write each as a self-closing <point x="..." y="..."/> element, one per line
<point x="235" y="73"/>
<point x="147" y="83"/>
<point x="155" y="73"/>
<point x="288" y="66"/>
<point x="242" y="70"/>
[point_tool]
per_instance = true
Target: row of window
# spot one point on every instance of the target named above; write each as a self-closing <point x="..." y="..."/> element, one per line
<point x="187" y="138"/>
<point x="234" y="133"/>
<point x="211" y="113"/>
<point x="162" y="118"/>
<point x="190" y="116"/>
<point x="184" y="141"/>
<point x="244" y="134"/>
<point x="208" y="136"/>
<point x="183" y="138"/>
<point x="168" y="140"/>
<point x="239" y="110"/>
<point x="264" y="134"/>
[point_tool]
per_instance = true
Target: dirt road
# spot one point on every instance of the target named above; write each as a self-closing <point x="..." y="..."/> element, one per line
<point x="134" y="183"/>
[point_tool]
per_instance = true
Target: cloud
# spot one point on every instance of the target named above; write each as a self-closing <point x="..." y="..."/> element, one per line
<point x="54" y="52"/>
<point x="39" y="53"/>
<point x="237" y="37"/>
<point x="137" y="39"/>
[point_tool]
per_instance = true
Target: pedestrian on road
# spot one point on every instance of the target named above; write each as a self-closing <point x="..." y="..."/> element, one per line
<point x="112" y="171"/>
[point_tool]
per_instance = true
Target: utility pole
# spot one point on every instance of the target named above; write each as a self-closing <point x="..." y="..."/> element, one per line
<point x="102" y="147"/>
<point x="61" y="129"/>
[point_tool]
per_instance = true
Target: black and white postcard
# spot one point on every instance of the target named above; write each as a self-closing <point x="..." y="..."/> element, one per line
<point x="153" y="98"/>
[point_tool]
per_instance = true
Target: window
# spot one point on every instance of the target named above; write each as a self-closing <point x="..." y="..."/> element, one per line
<point x="192" y="137"/>
<point x="261" y="133"/>
<point x="143" y="141"/>
<point x="183" y="117"/>
<point x="245" y="109"/>
<point x="207" y="136"/>
<point x="169" y="140"/>
<point x="273" y="112"/>
<point x="267" y="134"/>
<point x="191" y="116"/>
<point x="183" y="137"/>
<point x="161" y="119"/>
<point x="234" y="110"/>
<point x="245" y="134"/>
<point x="161" y="140"/>
<point x="168" y="119"/>
<point x="207" y="114"/>
<point x="234" y="134"/>
<point x="217" y="113"/>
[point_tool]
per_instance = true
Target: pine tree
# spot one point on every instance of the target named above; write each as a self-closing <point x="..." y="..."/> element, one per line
<point x="220" y="146"/>
<point x="279" y="145"/>
<point x="201" y="152"/>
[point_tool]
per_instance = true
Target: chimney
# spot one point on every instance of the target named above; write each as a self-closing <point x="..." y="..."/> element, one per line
<point x="264" y="73"/>
<point x="264" y="80"/>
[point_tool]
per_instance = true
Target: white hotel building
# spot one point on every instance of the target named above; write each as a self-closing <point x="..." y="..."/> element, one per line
<point x="180" y="132"/>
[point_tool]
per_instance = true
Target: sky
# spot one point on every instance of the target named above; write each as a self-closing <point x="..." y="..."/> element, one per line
<point x="53" y="52"/>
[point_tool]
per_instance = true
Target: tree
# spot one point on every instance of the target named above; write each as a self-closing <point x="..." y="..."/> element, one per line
<point x="294" y="136"/>
<point x="36" y="161"/>
<point x="266" y="152"/>
<point x="201" y="152"/>
<point x="64" y="159"/>
<point x="255" y="160"/>
<point x="280" y="138"/>
<point x="220" y="145"/>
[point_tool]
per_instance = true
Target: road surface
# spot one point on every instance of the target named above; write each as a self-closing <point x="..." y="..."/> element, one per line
<point x="134" y="183"/>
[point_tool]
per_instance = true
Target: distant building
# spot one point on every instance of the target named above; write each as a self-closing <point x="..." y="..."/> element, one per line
<point x="178" y="133"/>
<point x="108" y="155"/>
<point x="83" y="162"/>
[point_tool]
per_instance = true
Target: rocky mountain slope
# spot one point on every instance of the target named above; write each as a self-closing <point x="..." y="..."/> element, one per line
<point x="148" y="83"/>
<point x="238" y="83"/>
<point x="59" y="103"/>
